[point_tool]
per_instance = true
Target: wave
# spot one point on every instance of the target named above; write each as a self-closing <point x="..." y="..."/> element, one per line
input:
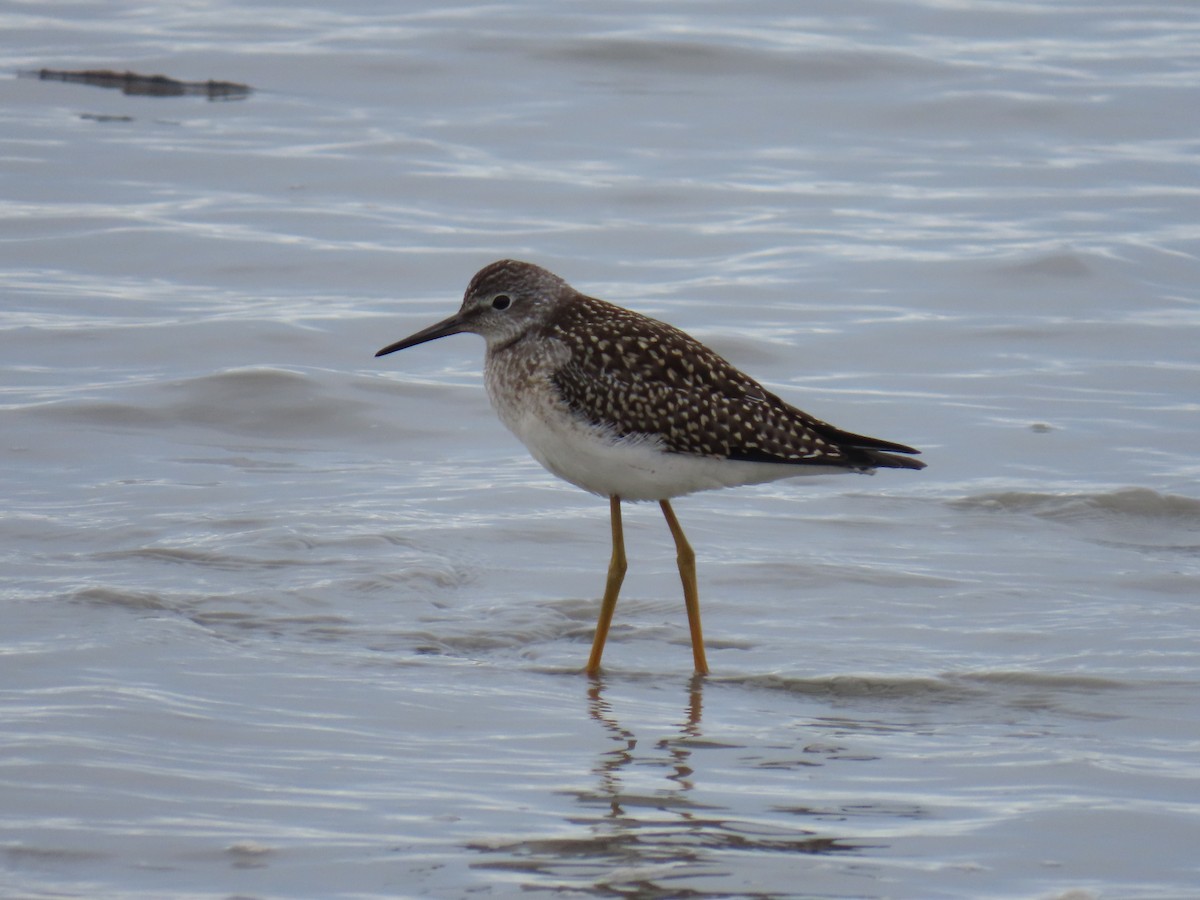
<point x="1142" y="503"/>
<point x="257" y="402"/>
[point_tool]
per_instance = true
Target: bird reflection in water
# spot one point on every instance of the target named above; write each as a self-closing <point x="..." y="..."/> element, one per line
<point x="679" y="750"/>
<point x="661" y="841"/>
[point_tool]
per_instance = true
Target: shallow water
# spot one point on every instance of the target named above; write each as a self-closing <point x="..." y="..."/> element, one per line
<point x="285" y="620"/>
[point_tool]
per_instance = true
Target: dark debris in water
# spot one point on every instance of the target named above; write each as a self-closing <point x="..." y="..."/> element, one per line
<point x="135" y="84"/>
<point x="96" y="117"/>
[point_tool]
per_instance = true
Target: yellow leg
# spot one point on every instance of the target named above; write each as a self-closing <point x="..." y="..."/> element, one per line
<point x="691" y="596"/>
<point x="616" y="574"/>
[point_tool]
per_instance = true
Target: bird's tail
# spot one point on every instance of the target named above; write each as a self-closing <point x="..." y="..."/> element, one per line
<point x="892" y="461"/>
<point x="879" y="454"/>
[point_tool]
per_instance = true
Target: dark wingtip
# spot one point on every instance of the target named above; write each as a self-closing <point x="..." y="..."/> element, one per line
<point x="878" y="453"/>
<point x="892" y="461"/>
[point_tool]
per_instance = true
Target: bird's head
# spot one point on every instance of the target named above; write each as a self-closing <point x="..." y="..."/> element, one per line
<point x="504" y="301"/>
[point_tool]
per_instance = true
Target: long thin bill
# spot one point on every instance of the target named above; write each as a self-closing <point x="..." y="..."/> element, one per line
<point x="452" y="325"/>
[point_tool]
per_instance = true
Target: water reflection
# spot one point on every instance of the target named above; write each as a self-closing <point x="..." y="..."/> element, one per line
<point x="611" y="763"/>
<point x="643" y="829"/>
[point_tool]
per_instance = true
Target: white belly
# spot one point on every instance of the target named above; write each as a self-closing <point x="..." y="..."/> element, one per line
<point x="634" y="468"/>
<point x="630" y="468"/>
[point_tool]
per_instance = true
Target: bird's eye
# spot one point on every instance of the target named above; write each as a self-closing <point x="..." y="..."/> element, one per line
<point x="501" y="301"/>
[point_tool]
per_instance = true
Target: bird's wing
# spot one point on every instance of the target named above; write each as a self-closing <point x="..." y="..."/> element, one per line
<point x="644" y="377"/>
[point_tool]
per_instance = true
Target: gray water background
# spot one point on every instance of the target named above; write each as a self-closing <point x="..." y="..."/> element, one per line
<point x="283" y="620"/>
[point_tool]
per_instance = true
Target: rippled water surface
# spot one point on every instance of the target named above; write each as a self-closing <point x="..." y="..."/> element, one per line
<point x="283" y="620"/>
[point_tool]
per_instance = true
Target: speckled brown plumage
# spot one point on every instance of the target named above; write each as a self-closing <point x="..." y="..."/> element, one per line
<point x="637" y="375"/>
<point x="628" y="376"/>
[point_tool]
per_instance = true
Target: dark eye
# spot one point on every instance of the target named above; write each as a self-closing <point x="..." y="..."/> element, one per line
<point x="501" y="301"/>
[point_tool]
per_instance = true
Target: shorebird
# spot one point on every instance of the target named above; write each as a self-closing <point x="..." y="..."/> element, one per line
<point x="631" y="408"/>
